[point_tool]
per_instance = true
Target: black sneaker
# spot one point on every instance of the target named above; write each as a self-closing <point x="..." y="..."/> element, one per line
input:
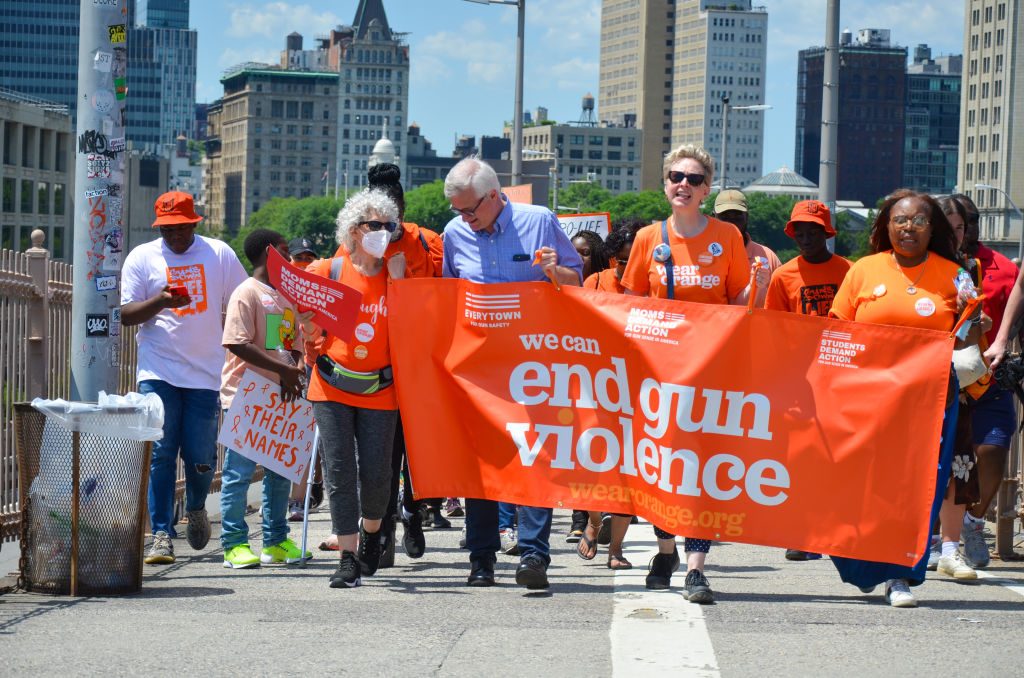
<point x="532" y="573"/>
<point x="579" y="524"/>
<point x="438" y="521"/>
<point x="316" y="496"/>
<point x="604" y="535"/>
<point x="697" y="588"/>
<point x="794" y="554"/>
<point x="413" y="540"/>
<point x="659" y="575"/>
<point x="481" y="573"/>
<point x="370" y="547"/>
<point x="347" y="574"/>
<point x="387" y="556"/>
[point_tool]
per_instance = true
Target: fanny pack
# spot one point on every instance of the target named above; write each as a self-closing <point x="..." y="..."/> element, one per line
<point x="350" y="381"/>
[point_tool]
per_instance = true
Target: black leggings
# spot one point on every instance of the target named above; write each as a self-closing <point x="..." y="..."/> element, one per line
<point x="400" y="466"/>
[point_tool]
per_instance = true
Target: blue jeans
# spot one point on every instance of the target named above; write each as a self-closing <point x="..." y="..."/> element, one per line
<point x="482" y="531"/>
<point x="235" y="478"/>
<point x="190" y="425"/>
<point x="506" y="515"/>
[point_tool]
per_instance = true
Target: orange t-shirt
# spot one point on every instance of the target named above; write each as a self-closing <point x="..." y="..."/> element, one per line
<point x="605" y="280"/>
<point x="369" y="349"/>
<point x="420" y="262"/>
<point x="710" y="268"/>
<point x="874" y="291"/>
<point x="802" y="287"/>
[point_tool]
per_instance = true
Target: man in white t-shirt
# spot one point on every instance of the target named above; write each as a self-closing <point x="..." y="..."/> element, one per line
<point x="175" y="288"/>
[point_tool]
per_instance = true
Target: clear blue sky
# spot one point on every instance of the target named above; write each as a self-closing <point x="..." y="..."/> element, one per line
<point x="463" y="54"/>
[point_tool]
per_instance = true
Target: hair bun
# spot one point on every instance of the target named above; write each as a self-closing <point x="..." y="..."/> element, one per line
<point x="384" y="174"/>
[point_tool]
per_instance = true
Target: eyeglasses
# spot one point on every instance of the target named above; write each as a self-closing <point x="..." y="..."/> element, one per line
<point x="388" y="226"/>
<point x="918" y="223"/>
<point x="471" y="212"/>
<point x="692" y="179"/>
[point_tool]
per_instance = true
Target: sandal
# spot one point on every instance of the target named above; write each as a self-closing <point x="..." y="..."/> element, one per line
<point x="587" y="548"/>
<point x="620" y="562"/>
<point x="325" y="546"/>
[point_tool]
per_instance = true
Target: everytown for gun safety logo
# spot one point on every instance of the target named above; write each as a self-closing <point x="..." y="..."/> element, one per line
<point x="837" y="350"/>
<point x="492" y="310"/>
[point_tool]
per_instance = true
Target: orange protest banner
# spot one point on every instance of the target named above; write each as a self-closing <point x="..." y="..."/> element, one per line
<point x="521" y="193"/>
<point x="766" y="428"/>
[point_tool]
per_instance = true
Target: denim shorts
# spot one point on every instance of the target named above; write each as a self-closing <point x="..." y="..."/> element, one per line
<point x="995" y="417"/>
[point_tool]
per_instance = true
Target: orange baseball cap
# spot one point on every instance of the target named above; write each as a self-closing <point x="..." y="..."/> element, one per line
<point x="173" y="208"/>
<point x="811" y="211"/>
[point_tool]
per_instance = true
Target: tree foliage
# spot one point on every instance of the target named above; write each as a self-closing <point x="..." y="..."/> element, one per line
<point x="427" y="206"/>
<point x="592" y="197"/>
<point x="311" y="218"/>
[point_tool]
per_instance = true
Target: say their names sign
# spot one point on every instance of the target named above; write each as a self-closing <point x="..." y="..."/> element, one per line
<point x="335" y="305"/>
<point x="261" y="426"/>
<point x="598" y="222"/>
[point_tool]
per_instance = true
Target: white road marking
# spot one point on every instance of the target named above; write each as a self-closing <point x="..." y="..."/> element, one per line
<point x="1013" y="585"/>
<point x="657" y="633"/>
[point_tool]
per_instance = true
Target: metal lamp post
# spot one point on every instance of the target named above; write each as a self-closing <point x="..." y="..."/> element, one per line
<point x="517" y="117"/>
<point x="554" y="157"/>
<point x="1020" y="240"/>
<point x="725" y="132"/>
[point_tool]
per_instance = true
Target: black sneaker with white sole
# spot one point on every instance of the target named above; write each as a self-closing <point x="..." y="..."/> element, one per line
<point x="347" y="574"/>
<point x="371" y="545"/>
<point x="697" y="588"/>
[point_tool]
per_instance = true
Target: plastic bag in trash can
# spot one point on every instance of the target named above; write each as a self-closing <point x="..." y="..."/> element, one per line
<point x="132" y="416"/>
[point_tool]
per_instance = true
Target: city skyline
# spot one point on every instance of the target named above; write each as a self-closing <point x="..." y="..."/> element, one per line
<point x="466" y="41"/>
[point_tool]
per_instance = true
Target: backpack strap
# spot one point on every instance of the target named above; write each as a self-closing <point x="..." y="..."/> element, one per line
<point x="336" y="265"/>
<point x="423" y="241"/>
<point x="669" y="277"/>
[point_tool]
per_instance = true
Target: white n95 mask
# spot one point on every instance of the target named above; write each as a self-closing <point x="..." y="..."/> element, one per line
<point x="376" y="242"/>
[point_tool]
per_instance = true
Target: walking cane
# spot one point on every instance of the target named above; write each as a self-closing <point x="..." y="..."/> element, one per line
<point x="309" y="490"/>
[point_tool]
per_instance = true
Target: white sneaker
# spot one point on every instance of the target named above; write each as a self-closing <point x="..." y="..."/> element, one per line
<point x="897" y="592"/>
<point x="955" y="567"/>
<point x="934" y="553"/>
<point x="509" y="542"/>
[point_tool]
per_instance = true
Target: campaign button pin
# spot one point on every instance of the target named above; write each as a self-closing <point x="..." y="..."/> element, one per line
<point x="924" y="307"/>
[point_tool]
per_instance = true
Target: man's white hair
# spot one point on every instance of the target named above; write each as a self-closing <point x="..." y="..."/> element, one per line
<point x="471" y="173"/>
<point x="356" y="210"/>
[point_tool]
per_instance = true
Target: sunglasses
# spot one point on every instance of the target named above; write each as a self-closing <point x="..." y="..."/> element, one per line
<point x="388" y="226"/>
<point x="692" y="179"/>
<point x="470" y="212"/>
<point x="918" y="223"/>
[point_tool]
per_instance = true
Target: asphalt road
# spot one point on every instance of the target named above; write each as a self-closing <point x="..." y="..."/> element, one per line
<point x="771" y="618"/>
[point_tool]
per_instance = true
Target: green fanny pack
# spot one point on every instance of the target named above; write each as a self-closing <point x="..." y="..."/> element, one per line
<point x="350" y="381"/>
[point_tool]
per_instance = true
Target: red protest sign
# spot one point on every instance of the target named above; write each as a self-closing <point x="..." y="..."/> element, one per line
<point x="334" y="304"/>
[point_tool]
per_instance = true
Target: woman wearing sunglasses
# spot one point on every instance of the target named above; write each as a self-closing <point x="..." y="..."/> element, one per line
<point x="690" y="257"/>
<point x="352" y="389"/>
<point x="911" y="280"/>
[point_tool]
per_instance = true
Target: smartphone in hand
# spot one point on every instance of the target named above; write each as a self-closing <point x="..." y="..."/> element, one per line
<point x="178" y="291"/>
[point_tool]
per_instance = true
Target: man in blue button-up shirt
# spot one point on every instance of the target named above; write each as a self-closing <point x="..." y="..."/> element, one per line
<point x="495" y="240"/>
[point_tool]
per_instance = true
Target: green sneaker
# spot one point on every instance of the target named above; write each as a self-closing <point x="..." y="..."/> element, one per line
<point x="240" y="557"/>
<point x="285" y="552"/>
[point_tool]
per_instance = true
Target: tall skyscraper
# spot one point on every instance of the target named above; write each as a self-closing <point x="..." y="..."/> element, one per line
<point x="991" y="125"/>
<point x="666" y="66"/>
<point x="871" y="114"/>
<point x="373" y="94"/>
<point x="932" y="122"/>
<point x="272" y="135"/>
<point x="39" y="58"/>
<point x="39" y="49"/>
<point x="161" y="74"/>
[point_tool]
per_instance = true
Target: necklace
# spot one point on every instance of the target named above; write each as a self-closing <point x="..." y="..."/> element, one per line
<point x="911" y="286"/>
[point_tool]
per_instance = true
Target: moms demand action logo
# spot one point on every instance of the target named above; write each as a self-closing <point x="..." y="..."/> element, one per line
<point x="492" y="310"/>
<point x="652" y="325"/>
<point x="836" y="349"/>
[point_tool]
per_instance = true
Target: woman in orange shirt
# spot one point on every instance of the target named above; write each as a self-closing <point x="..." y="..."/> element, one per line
<point x="910" y="280"/>
<point x="690" y="257"/>
<point x="617" y="247"/>
<point x="351" y="388"/>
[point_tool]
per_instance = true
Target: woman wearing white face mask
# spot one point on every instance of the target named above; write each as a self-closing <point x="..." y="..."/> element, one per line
<point x="352" y="388"/>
